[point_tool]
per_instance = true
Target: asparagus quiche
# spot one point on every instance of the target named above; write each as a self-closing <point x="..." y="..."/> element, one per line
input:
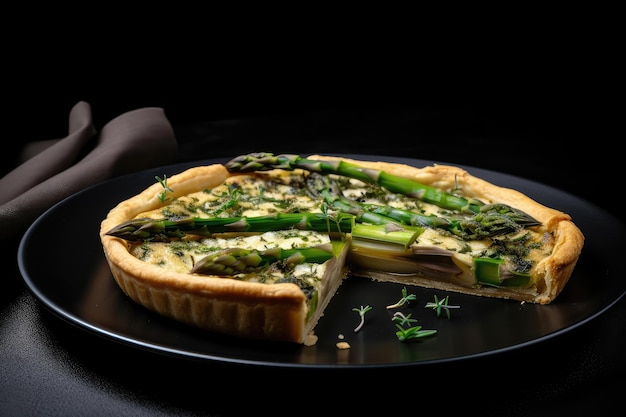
<point x="257" y="247"/>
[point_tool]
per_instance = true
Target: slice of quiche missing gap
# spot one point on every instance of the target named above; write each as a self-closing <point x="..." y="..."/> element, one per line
<point x="257" y="247"/>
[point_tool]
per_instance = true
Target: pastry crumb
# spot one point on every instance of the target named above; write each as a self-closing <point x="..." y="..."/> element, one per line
<point x="310" y="340"/>
<point x="340" y="336"/>
<point x="343" y="345"/>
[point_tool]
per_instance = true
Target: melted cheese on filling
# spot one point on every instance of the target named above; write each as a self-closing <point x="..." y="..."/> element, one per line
<point x="271" y="192"/>
<point x="181" y="256"/>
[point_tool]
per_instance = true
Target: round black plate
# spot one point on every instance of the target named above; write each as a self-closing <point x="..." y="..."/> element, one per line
<point x="62" y="263"/>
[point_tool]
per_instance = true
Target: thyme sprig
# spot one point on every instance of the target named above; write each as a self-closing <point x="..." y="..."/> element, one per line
<point x="233" y="195"/>
<point x="404" y="300"/>
<point x="405" y="334"/>
<point x="361" y="312"/>
<point x="411" y="333"/>
<point x="440" y="305"/>
<point x="403" y="320"/>
<point x="163" y="195"/>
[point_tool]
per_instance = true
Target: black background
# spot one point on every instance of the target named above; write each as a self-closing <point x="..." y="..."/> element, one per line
<point x="567" y="122"/>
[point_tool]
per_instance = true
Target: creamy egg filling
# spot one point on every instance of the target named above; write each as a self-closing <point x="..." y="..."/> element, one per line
<point x="182" y="255"/>
<point x="435" y="253"/>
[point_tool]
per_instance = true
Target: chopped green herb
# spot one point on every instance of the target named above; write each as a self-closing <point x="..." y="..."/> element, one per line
<point x="361" y="312"/>
<point x="412" y="333"/>
<point x="403" y="320"/>
<point x="405" y="299"/>
<point x="439" y="305"/>
<point x="163" y="195"/>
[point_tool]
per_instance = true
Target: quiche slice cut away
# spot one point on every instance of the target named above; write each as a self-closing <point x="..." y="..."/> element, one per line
<point x="258" y="249"/>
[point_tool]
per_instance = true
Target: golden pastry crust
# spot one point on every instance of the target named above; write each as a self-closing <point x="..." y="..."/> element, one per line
<point x="552" y="273"/>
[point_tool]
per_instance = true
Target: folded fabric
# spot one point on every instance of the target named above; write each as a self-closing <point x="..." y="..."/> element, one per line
<point x="136" y="140"/>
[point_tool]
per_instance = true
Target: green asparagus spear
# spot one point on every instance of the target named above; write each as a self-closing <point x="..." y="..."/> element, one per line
<point x="389" y="233"/>
<point x="496" y="273"/>
<point x="488" y="223"/>
<point x="160" y="230"/>
<point x="264" y="161"/>
<point x="163" y="229"/>
<point x="492" y="220"/>
<point x="232" y="261"/>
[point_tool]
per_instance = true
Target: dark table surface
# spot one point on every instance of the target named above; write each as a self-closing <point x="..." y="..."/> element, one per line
<point x="51" y="367"/>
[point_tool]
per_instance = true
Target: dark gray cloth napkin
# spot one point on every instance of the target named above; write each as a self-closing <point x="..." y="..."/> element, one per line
<point x="134" y="141"/>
